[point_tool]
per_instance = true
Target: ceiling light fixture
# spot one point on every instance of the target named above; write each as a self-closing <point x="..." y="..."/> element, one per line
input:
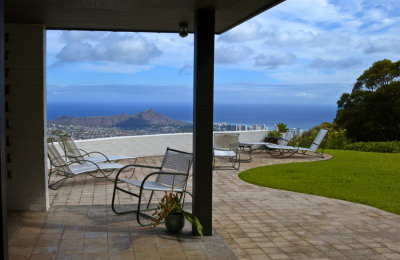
<point x="183" y="30"/>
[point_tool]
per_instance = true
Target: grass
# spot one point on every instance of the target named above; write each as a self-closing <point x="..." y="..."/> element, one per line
<point x="363" y="177"/>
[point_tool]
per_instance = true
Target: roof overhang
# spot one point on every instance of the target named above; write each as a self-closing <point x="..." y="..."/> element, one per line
<point x="131" y="15"/>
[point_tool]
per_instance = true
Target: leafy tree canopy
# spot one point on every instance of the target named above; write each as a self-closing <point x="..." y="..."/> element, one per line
<point x="371" y="112"/>
<point x="381" y="73"/>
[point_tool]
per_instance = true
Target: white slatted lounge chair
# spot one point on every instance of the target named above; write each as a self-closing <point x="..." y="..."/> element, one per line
<point x="226" y="146"/>
<point x="282" y="149"/>
<point x="250" y="147"/>
<point x="73" y="153"/>
<point x="73" y="168"/>
<point x="286" y="138"/>
<point x="172" y="174"/>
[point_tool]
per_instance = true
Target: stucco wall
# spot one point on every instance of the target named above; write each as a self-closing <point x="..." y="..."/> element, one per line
<point x="151" y="145"/>
<point x="25" y="99"/>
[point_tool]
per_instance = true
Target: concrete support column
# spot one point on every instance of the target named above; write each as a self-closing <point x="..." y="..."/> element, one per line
<point x="203" y="102"/>
<point x="25" y="105"/>
<point x="3" y="227"/>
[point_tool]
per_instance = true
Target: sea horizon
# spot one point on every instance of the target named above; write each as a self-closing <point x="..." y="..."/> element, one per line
<point x="294" y="115"/>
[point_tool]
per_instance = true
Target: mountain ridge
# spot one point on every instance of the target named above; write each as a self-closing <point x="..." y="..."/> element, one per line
<point x="145" y="118"/>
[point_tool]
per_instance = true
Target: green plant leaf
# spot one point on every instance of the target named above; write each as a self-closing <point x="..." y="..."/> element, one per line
<point x="195" y="222"/>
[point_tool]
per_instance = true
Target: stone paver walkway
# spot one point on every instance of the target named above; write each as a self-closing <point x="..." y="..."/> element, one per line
<point x="255" y="222"/>
<point x="264" y="223"/>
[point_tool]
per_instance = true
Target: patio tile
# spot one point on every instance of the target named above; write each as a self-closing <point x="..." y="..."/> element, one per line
<point x="252" y="222"/>
<point x="278" y="256"/>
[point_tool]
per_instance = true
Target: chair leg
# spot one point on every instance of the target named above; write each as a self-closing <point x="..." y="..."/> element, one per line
<point x="151" y="196"/>
<point x="52" y="186"/>
<point x="133" y="172"/>
<point x="113" y="199"/>
<point x="238" y="155"/>
<point x="232" y="160"/>
<point x="138" y="211"/>
<point x="103" y="173"/>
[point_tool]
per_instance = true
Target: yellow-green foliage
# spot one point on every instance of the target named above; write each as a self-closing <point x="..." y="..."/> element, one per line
<point x="335" y="138"/>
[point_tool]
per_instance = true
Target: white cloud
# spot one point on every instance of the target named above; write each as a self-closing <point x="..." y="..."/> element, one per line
<point x="232" y="54"/>
<point x="185" y="69"/>
<point x="111" y="67"/>
<point x="86" y="36"/>
<point x="120" y="48"/>
<point x="381" y="45"/>
<point x="75" y="51"/>
<point x="248" y="31"/>
<point x="307" y="41"/>
<point x="274" y="61"/>
<point x="334" y="64"/>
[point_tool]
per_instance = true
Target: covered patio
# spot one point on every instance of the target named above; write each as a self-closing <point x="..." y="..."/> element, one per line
<point x="23" y="84"/>
<point x="240" y="220"/>
<point x="250" y="222"/>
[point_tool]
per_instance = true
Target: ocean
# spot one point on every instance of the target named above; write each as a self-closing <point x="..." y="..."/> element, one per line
<point x="295" y="116"/>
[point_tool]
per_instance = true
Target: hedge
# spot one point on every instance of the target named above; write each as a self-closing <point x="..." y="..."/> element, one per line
<point x="379" y="147"/>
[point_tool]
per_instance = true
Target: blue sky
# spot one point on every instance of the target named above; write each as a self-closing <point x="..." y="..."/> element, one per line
<point x="299" y="52"/>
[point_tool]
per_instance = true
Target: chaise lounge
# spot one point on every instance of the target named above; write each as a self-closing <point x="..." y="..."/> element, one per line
<point x="73" y="153"/>
<point x="73" y="168"/>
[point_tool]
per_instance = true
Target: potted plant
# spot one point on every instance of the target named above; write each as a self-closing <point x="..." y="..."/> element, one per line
<point x="171" y="210"/>
<point x="274" y="136"/>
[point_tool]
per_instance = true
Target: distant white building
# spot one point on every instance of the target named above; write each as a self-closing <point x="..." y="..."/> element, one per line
<point x="264" y="127"/>
<point x="231" y="127"/>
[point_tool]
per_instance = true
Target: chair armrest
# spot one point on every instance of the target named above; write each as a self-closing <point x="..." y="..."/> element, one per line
<point x="134" y="166"/>
<point x="95" y="152"/>
<point x="78" y="162"/>
<point x="161" y="173"/>
<point x="86" y="161"/>
<point x="82" y="150"/>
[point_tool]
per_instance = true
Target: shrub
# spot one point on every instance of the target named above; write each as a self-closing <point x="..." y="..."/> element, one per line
<point x="335" y="138"/>
<point x="379" y="147"/>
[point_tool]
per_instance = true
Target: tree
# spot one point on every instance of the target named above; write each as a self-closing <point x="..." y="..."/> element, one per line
<point x="380" y="74"/>
<point x="372" y="111"/>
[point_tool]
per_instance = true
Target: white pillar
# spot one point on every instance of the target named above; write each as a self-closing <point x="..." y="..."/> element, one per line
<point x="25" y="102"/>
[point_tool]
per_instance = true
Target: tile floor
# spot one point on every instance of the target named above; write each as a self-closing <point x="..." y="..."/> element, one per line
<point x="250" y="222"/>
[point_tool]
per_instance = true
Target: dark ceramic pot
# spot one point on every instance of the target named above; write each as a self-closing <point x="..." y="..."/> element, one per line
<point x="174" y="223"/>
<point x="272" y="139"/>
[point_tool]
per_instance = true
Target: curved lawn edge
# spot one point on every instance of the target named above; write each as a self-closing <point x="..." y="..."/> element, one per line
<point x="361" y="177"/>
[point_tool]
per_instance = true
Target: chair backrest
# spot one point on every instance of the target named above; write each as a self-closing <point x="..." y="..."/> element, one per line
<point x="175" y="161"/>
<point x="226" y="141"/>
<point x="56" y="159"/>
<point x="71" y="151"/>
<point x="286" y="138"/>
<point x="318" y="139"/>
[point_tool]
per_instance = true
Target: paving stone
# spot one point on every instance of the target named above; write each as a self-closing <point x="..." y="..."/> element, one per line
<point x="250" y="222"/>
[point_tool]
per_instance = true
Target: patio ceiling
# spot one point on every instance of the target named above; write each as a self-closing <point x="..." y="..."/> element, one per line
<point x="131" y="15"/>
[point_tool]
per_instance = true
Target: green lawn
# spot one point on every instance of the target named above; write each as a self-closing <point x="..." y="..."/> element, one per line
<point x="364" y="177"/>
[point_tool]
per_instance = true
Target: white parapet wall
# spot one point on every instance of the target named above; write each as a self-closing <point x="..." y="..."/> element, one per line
<point x="153" y="145"/>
